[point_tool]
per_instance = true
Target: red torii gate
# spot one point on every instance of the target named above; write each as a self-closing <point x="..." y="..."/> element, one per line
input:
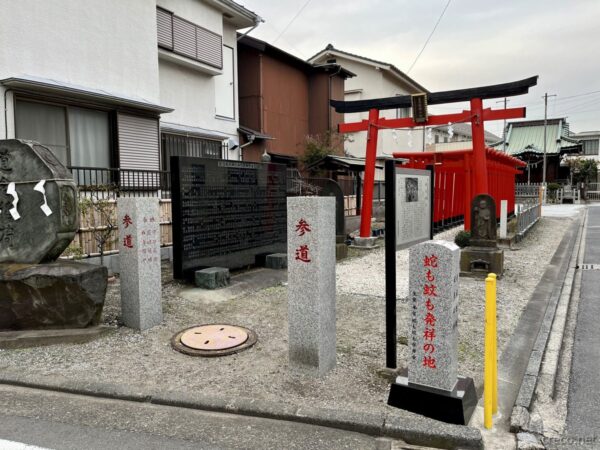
<point x="477" y="115"/>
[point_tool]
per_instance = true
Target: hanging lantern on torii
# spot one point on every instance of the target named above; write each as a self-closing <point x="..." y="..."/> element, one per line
<point x="477" y="115"/>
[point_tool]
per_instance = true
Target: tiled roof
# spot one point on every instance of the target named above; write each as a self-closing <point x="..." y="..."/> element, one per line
<point x="528" y="136"/>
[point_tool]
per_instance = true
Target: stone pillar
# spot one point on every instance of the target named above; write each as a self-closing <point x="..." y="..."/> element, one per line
<point x="434" y="267"/>
<point x="503" y="218"/>
<point x="139" y="261"/>
<point x="311" y="282"/>
<point x="433" y="387"/>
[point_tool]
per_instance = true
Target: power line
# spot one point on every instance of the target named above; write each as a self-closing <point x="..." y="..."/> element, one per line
<point x="430" y="34"/>
<point x="292" y="21"/>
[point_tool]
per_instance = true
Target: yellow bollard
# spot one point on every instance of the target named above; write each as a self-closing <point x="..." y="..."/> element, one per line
<point x="494" y="314"/>
<point x="490" y="371"/>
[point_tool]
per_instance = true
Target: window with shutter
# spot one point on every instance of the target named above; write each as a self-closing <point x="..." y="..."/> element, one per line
<point x="188" y="39"/>
<point x="164" y="28"/>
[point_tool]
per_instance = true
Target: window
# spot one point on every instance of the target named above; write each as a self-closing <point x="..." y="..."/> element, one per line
<point x="188" y="39"/>
<point x="77" y="136"/>
<point x="590" y="147"/>
<point x="178" y="145"/>
<point x="402" y="113"/>
<point x="224" y="87"/>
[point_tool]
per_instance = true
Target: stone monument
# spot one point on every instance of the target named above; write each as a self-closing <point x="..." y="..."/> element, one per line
<point x="433" y="387"/>
<point x="311" y="283"/>
<point x="39" y="216"/>
<point x="139" y="262"/>
<point x="483" y="256"/>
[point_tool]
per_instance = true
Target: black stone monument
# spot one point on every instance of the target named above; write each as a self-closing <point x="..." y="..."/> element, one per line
<point x="226" y="213"/>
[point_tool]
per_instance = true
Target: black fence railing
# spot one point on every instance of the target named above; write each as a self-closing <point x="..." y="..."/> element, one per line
<point x="113" y="182"/>
<point x="110" y="183"/>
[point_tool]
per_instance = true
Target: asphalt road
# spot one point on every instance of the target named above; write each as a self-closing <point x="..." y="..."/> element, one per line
<point x="72" y="422"/>
<point x="583" y="410"/>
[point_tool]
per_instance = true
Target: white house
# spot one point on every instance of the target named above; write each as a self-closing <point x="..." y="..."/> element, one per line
<point x="104" y="82"/>
<point x="374" y="79"/>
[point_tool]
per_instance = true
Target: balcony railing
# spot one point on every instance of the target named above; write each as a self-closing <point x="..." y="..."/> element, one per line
<point x="111" y="183"/>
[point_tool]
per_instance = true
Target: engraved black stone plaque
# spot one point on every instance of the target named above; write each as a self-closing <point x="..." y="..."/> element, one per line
<point x="225" y="213"/>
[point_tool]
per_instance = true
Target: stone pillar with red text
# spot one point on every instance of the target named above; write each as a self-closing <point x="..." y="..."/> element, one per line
<point x="139" y="261"/>
<point x="433" y="387"/>
<point x="311" y="283"/>
<point x="434" y="267"/>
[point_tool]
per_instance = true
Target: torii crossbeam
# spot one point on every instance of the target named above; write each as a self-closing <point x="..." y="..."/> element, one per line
<point x="477" y="115"/>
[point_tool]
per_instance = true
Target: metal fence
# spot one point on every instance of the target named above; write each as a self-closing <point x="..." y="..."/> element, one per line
<point x="105" y="183"/>
<point x="527" y="216"/>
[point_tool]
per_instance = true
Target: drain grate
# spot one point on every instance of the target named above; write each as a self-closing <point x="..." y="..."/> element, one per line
<point x="590" y="267"/>
<point x="213" y="340"/>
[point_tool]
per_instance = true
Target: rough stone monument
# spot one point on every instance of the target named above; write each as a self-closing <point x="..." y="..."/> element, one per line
<point x="311" y="283"/>
<point x="483" y="256"/>
<point x="433" y="387"/>
<point x="139" y="262"/>
<point x="39" y="216"/>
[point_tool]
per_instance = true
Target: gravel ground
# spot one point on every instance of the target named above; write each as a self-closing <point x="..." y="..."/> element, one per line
<point x="146" y="358"/>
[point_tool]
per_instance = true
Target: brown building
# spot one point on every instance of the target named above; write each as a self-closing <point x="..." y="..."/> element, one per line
<point x="284" y="99"/>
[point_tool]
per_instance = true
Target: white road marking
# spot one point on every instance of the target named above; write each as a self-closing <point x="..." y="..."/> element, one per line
<point x="10" y="445"/>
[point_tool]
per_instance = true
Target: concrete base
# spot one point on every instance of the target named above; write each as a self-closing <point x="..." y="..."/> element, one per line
<point x="365" y="242"/>
<point x="276" y="261"/>
<point x="212" y="278"/>
<point x="454" y="406"/>
<point x="341" y="251"/>
<point x="39" y="338"/>
<point x="481" y="261"/>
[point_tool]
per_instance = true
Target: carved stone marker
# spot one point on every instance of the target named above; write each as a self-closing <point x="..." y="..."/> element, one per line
<point x="483" y="221"/>
<point x="433" y="291"/>
<point x="482" y="256"/>
<point x="311" y="282"/>
<point x="433" y="387"/>
<point x="139" y="262"/>
<point x="39" y="213"/>
<point x="39" y="216"/>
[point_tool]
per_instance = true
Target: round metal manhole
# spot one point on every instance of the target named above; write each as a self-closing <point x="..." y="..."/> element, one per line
<point x="213" y="340"/>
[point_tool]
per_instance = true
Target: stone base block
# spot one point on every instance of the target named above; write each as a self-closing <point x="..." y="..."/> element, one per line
<point x="39" y="338"/>
<point x="276" y="261"/>
<point x="454" y="406"/>
<point x="57" y="295"/>
<point x="341" y="251"/>
<point x="365" y="242"/>
<point x="482" y="260"/>
<point x="212" y="278"/>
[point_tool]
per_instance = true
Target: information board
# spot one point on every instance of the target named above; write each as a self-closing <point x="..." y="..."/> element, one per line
<point x="413" y="206"/>
<point x="225" y="213"/>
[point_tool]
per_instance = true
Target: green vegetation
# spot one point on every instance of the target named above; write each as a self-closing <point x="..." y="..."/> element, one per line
<point x="319" y="146"/>
<point x="463" y="238"/>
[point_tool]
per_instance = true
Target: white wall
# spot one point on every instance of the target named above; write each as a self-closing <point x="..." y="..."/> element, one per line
<point x="102" y="44"/>
<point x="376" y="83"/>
<point x="189" y="91"/>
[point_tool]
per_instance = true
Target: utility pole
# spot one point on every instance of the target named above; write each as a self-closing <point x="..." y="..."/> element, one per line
<point x="545" y="134"/>
<point x="505" y="101"/>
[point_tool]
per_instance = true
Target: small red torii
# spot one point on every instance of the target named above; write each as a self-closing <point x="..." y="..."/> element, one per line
<point x="477" y="115"/>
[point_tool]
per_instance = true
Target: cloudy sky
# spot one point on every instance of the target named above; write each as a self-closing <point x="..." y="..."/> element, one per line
<point x="478" y="42"/>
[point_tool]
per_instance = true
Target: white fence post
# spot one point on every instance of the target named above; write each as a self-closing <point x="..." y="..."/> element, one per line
<point x="503" y="217"/>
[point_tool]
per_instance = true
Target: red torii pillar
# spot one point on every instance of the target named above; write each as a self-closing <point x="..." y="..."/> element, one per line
<point x="477" y="115"/>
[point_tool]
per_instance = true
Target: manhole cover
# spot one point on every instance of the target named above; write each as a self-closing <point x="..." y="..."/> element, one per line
<point x="214" y="337"/>
<point x="213" y="340"/>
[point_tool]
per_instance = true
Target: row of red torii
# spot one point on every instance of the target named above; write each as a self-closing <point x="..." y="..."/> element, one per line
<point x="469" y="172"/>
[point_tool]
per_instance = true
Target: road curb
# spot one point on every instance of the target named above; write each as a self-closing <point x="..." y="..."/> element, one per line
<point x="563" y="284"/>
<point x="417" y="432"/>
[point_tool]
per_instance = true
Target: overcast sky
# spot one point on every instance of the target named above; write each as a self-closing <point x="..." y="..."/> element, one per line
<point x="478" y="42"/>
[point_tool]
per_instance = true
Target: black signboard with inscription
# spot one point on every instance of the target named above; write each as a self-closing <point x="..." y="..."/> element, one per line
<point x="225" y="213"/>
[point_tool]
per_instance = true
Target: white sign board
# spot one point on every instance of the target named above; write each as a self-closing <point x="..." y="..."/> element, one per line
<point x="413" y="206"/>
